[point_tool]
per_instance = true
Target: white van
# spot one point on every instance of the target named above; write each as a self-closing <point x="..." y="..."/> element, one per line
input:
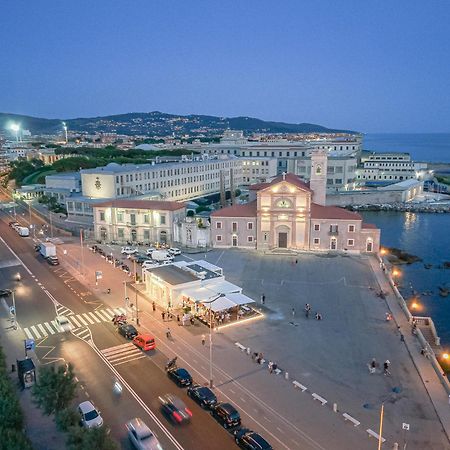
<point x="23" y="231"/>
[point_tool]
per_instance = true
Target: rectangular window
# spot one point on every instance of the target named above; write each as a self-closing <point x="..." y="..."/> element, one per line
<point x="146" y="235"/>
<point x="120" y="232"/>
<point x="102" y="216"/>
<point x="316" y="227"/>
<point x="133" y="219"/>
<point x="250" y="226"/>
<point x="162" y="220"/>
<point x="120" y="217"/>
<point x="146" y="218"/>
<point x="333" y="228"/>
<point x="250" y="238"/>
<point x="218" y="237"/>
<point x="316" y="241"/>
<point x="350" y="242"/>
<point x="234" y="226"/>
<point x="351" y="228"/>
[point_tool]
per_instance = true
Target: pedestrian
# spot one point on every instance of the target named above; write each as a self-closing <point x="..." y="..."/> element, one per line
<point x="263" y="299"/>
<point x="163" y="315"/>
<point x="260" y="358"/>
<point x="270" y="366"/>
<point x="168" y="333"/>
<point x="296" y="261"/>
<point x="318" y="316"/>
<point x="178" y="317"/>
<point x="293" y="312"/>
<point x="154" y="306"/>
<point x="386" y="365"/>
<point x="402" y="338"/>
<point x="203" y="339"/>
<point x="373" y="366"/>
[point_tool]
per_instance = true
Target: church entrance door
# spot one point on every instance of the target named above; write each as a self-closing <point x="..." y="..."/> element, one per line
<point x="282" y="240"/>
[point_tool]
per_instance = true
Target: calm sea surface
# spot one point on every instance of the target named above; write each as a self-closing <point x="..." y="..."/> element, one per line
<point x="427" y="236"/>
<point x="423" y="147"/>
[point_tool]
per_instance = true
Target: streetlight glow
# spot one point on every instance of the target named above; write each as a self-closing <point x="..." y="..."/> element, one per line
<point x="445" y="356"/>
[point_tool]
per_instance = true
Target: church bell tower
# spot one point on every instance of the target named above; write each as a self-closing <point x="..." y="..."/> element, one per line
<point x="318" y="180"/>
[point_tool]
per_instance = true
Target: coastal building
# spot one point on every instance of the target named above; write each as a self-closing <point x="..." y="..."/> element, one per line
<point x="388" y="167"/>
<point x="147" y="221"/>
<point x="290" y="214"/>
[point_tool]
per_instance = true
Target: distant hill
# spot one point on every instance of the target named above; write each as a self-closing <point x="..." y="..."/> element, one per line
<point x="156" y="123"/>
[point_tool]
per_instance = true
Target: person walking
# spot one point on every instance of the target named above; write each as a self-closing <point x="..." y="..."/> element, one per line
<point x="154" y="306"/>
<point x="270" y="366"/>
<point x="293" y="312"/>
<point x="386" y="365"/>
<point x="168" y="333"/>
<point x="263" y="299"/>
<point x="203" y="339"/>
<point x="373" y="365"/>
<point x="163" y="315"/>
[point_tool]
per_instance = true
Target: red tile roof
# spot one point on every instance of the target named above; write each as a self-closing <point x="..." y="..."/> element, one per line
<point x="369" y="225"/>
<point x="246" y="210"/>
<point x="332" y="212"/>
<point x="289" y="177"/>
<point x="141" y="204"/>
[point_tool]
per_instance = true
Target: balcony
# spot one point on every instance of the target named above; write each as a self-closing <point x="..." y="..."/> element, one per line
<point x="333" y="233"/>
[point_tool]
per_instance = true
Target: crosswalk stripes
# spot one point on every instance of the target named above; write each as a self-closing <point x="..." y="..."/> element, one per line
<point x="83" y="333"/>
<point x="63" y="311"/>
<point x="45" y="329"/>
<point x="121" y="354"/>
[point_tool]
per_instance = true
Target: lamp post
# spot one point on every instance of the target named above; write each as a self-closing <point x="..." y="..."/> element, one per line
<point x="65" y="130"/>
<point x="211" y="381"/>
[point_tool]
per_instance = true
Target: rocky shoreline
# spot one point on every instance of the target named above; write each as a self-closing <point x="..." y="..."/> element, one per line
<point x="439" y="208"/>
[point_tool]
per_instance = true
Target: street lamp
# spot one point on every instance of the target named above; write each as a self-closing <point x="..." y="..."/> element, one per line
<point x="211" y="382"/>
<point x="65" y="130"/>
<point x="15" y="127"/>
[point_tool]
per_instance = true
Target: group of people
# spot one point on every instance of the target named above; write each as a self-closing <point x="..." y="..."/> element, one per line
<point x="317" y="316"/>
<point x="374" y="365"/>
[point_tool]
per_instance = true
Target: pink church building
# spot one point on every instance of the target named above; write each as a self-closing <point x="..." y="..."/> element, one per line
<point x="290" y="214"/>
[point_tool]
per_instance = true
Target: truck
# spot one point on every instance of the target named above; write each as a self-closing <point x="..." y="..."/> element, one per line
<point x="161" y="255"/>
<point x="23" y="231"/>
<point x="47" y="249"/>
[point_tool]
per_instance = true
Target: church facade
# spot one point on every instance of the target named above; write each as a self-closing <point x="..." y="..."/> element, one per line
<point x="290" y="214"/>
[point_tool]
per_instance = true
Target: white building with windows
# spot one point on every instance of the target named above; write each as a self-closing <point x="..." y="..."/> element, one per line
<point x="147" y="221"/>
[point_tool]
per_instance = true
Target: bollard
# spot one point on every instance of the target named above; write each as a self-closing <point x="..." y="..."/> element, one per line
<point x="335" y="407"/>
<point x="286" y="375"/>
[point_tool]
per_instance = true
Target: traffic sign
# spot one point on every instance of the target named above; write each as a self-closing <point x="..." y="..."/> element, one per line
<point x="29" y="344"/>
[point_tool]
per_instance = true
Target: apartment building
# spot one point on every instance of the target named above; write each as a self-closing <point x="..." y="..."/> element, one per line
<point x="258" y="169"/>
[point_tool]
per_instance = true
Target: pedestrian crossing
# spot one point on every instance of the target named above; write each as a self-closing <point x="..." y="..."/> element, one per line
<point x="121" y="354"/>
<point x="42" y="330"/>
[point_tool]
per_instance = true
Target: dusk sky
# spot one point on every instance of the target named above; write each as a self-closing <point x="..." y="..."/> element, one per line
<point x="379" y="66"/>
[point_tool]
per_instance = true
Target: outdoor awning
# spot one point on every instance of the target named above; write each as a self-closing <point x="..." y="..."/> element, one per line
<point x="222" y="287"/>
<point x="239" y="299"/>
<point x="198" y="294"/>
<point x="221" y="304"/>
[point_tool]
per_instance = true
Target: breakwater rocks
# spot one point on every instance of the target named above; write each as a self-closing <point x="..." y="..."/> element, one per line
<point x="405" y="207"/>
<point x="396" y="256"/>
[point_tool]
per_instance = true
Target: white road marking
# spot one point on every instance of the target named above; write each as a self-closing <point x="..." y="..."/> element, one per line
<point x="35" y="331"/>
<point x="128" y="360"/>
<point x="75" y="321"/>
<point x="102" y="315"/>
<point x="49" y="328"/>
<point x="94" y="317"/>
<point x="27" y="332"/>
<point x="88" y="318"/>
<point x="81" y="320"/>
<point x="42" y="329"/>
<point x="109" y="312"/>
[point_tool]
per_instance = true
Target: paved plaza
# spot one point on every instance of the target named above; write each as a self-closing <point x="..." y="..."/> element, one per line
<point x="331" y="356"/>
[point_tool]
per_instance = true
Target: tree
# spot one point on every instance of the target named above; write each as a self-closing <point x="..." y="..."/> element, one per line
<point x="55" y="388"/>
<point x="90" y="439"/>
<point x="66" y="418"/>
<point x="12" y="439"/>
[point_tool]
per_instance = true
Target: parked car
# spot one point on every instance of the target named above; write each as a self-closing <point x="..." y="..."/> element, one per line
<point x="175" y="409"/>
<point x="89" y="416"/>
<point x="227" y="415"/>
<point x="149" y="264"/>
<point x="174" y="251"/>
<point x="145" y="342"/>
<point x="141" y="436"/>
<point x="202" y="395"/>
<point x="150" y="250"/>
<point x="127" y="330"/>
<point x="249" y="440"/>
<point x="180" y="376"/>
<point x="5" y="292"/>
<point x="128" y="250"/>
<point x="63" y="323"/>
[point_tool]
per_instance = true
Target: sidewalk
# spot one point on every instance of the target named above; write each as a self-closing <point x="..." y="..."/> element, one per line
<point x="40" y="429"/>
<point x="436" y="391"/>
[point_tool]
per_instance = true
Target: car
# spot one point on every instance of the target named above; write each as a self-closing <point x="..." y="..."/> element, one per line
<point x="150" y="250"/>
<point x="52" y="260"/>
<point x="180" y="376"/>
<point x="175" y="409"/>
<point x="227" y="415"/>
<point x="145" y="342"/>
<point x="13" y="223"/>
<point x="141" y="436"/>
<point x="5" y="292"/>
<point x="127" y="330"/>
<point x="149" y="264"/>
<point x="128" y="250"/>
<point x="202" y="395"/>
<point x="63" y="323"/>
<point x="249" y="440"/>
<point x="89" y="416"/>
<point x="174" y="251"/>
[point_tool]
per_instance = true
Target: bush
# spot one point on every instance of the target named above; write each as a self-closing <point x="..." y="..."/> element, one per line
<point x="12" y="439"/>
<point x="66" y="418"/>
<point x="90" y="439"/>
